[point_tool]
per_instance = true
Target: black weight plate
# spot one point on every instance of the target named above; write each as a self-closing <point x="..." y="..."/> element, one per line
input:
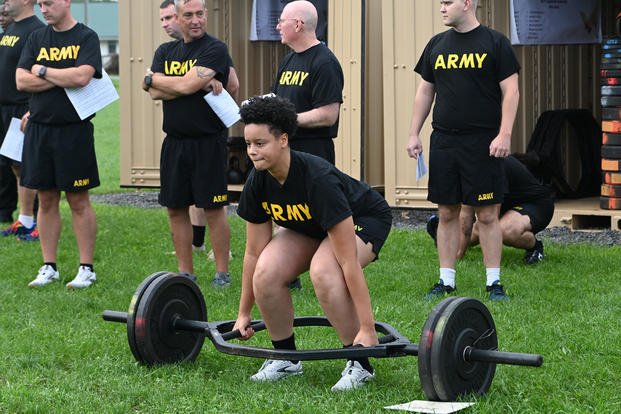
<point x="611" y="100"/>
<point x="609" y="138"/>
<point x="611" y="90"/>
<point x="611" y="41"/>
<point x="611" y="114"/>
<point x="610" y="73"/>
<point x="611" y="190"/>
<point x="611" y="53"/>
<point x="168" y="297"/>
<point x="131" y="313"/>
<point x="611" y="165"/>
<point x="611" y="152"/>
<point x="610" y="203"/>
<point x="464" y="322"/>
<point x="611" y="178"/>
<point x="424" y="349"/>
<point x="610" y="81"/>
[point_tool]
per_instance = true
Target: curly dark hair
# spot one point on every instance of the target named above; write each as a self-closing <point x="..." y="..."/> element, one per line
<point x="277" y="113"/>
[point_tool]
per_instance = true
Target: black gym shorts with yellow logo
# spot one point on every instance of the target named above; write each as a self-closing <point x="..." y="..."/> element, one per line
<point x="462" y="171"/>
<point x="59" y="157"/>
<point x="192" y="171"/>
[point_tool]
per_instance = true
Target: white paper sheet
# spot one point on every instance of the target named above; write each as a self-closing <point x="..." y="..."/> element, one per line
<point x="433" y="407"/>
<point x="13" y="141"/>
<point x="224" y="106"/>
<point x="98" y="94"/>
<point x="421" y="167"/>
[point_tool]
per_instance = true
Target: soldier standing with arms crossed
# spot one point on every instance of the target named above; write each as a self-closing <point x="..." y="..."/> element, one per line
<point x="191" y="163"/>
<point x="59" y="148"/>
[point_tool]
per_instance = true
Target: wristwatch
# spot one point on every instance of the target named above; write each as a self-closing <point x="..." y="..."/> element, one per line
<point x="148" y="80"/>
<point x="42" y="71"/>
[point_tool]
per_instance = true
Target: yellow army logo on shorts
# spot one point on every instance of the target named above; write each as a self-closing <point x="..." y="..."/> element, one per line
<point x="485" y="196"/>
<point x="220" y="198"/>
<point x="81" y="183"/>
<point x="178" y="68"/>
<point x="9" y="40"/>
<point x="465" y="61"/>
<point x="58" y="54"/>
<point x="288" y="212"/>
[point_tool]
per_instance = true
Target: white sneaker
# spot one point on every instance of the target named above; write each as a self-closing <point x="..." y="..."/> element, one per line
<point x="83" y="279"/>
<point x="212" y="257"/>
<point x="275" y="369"/>
<point x="46" y="275"/>
<point x="199" y="249"/>
<point x="353" y="376"/>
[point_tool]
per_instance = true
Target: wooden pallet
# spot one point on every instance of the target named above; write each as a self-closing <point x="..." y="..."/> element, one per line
<point x="584" y="214"/>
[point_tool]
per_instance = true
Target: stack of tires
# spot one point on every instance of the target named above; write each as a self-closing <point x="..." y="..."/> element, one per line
<point x="610" y="198"/>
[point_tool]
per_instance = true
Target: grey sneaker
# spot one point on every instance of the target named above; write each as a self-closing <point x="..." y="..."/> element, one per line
<point x="46" y="275"/>
<point x="212" y="257"/>
<point x="189" y="275"/>
<point x="275" y="369"/>
<point x="198" y="249"/>
<point x="352" y="377"/>
<point x="221" y="279"/>
<point x="83" y="279"/>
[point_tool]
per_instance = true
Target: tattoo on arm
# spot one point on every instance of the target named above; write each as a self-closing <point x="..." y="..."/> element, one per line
<point x="202" y="72"/>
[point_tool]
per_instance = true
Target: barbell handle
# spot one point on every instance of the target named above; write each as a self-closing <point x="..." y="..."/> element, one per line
<point x="114" y="316"/>
<point x="510" y="358"/>
<point x="258" y="326"/>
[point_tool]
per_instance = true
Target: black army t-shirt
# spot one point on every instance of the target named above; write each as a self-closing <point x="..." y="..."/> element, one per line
<point x="72" y="48"/>
<point x="522" y="186"/>
<point x="190" y="116"/>
<point x="314" y="197"/>
<point x="11" y="45"/>
<point x="311" y="79"/>
<point x="466" y="69"/>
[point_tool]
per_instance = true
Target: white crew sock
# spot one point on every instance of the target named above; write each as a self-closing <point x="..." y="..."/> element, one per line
<point x="27" y="221"/>
<point x="447" y="276"/>
<point x="493" y="275"/>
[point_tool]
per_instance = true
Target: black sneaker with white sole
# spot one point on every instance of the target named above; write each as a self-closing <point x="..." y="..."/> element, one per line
<point x="534" y="255"/>
<point x="439" y="290"/>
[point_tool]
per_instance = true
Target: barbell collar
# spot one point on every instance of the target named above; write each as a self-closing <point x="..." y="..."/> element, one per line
<point x="510" y="358"/>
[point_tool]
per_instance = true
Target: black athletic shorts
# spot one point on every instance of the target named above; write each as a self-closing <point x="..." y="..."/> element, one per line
<point x="374" y="230"/>
<point x="461" y="170"/>
<point x="321" y="147"/>
<point x="539" y="212"/>
<point x="192" y="171"/>
<point x="59" y="157"/>
<point x="7" y="112"/>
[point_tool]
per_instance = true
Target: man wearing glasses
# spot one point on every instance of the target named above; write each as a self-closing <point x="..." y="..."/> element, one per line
<point x="311" y="77"/>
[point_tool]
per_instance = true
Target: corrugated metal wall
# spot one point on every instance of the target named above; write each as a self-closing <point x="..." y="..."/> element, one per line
<point x="378" y="43"/>
<point x="141" y="118"/>
<point x="552" y="77"/>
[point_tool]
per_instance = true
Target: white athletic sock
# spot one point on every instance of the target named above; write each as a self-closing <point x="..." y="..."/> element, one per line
<point x="493" y="275"/>
<point x="27" y="221"/>
<point x="447" y="276"/>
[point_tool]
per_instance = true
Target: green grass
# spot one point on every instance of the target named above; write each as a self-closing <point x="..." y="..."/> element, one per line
<point x="58" y="355"/>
